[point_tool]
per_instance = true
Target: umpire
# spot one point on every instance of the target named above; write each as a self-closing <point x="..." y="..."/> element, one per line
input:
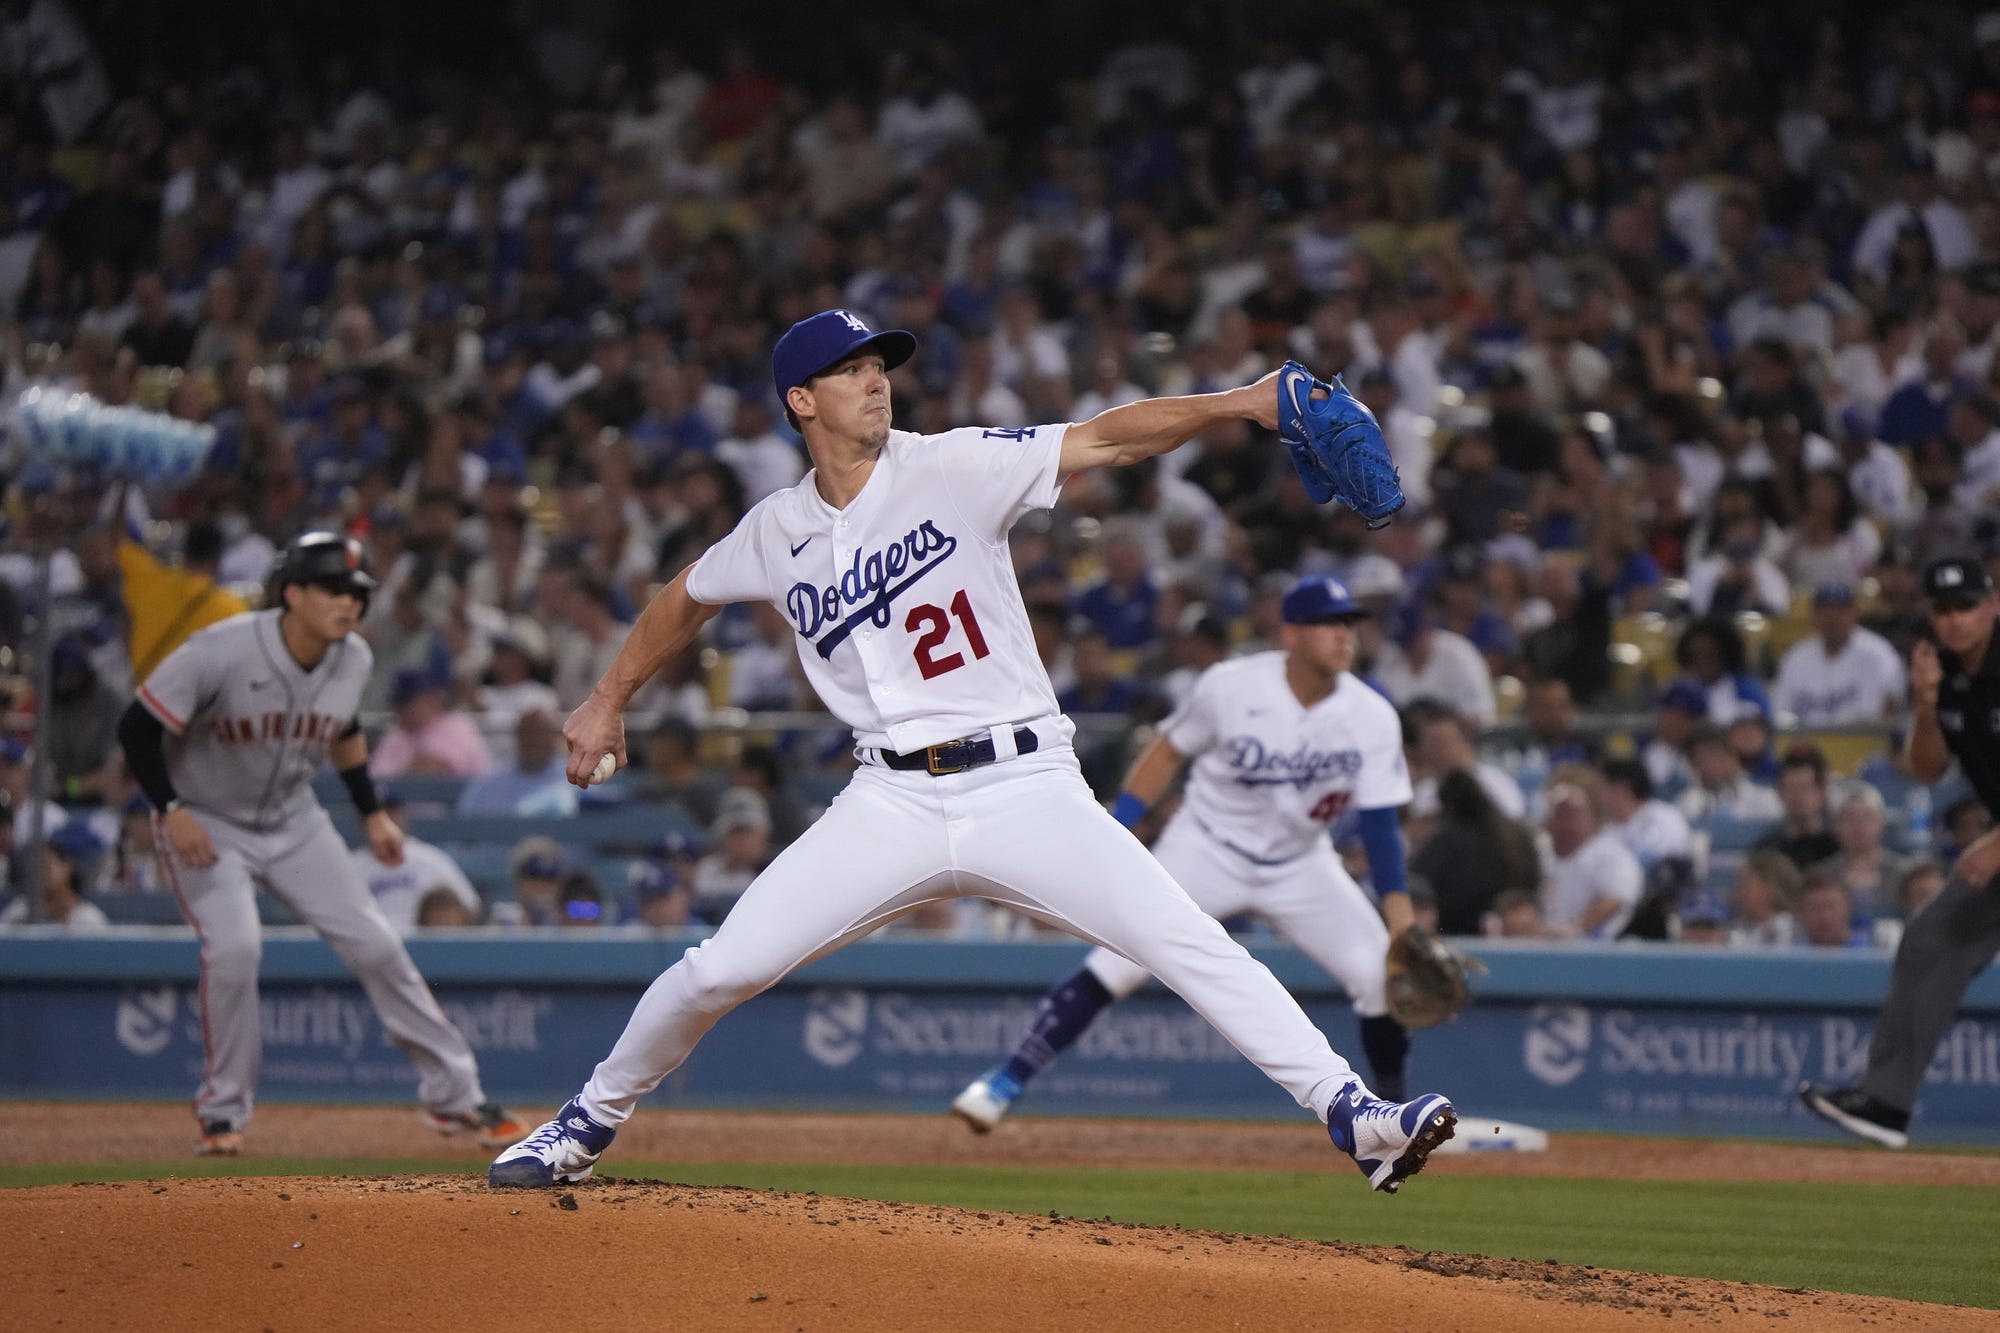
<point x="1955" y="697"/>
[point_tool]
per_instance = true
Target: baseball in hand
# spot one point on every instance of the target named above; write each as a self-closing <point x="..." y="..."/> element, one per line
<point x="605" y="768"/>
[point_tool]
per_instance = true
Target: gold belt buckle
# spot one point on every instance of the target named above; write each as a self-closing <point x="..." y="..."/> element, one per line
<point x="931" y="765"/>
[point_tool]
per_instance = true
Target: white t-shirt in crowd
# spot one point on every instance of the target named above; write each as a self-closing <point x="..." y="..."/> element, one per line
<point x="1601" y="868"/>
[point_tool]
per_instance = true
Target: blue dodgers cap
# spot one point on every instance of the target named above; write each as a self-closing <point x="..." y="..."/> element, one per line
<point x="1687" y="697"/>
<point x="831" y="336"/>
<point x="1318" y="598"/>
<point x="1833" y="594"/>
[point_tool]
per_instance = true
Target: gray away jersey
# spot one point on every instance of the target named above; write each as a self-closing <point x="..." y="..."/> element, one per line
<point x="252" y="725"/>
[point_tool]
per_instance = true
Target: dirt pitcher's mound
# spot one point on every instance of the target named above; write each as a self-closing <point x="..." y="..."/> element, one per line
<point x="446" y="1253"/>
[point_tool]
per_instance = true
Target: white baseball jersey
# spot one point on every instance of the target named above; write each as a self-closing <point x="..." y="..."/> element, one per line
<point x="1860" y="683"/>
<point x="1269" y="774"/>
<point x="909" y="619"/>
<point x="252" y="726"/>
<point x="400" y="889"/>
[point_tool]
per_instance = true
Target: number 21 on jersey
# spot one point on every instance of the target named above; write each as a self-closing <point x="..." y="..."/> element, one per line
<point x="933" y="625"/>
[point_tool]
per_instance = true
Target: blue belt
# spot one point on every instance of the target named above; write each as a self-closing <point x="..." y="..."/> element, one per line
<point x="957" y="756"/>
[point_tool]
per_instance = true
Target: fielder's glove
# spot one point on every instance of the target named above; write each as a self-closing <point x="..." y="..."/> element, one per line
<point x="1336" y="445"/>
<point x="1427" y="979"/>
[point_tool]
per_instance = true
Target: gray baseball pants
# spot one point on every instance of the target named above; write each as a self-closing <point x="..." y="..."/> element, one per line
<point x="1944" y="947"/>
<point x="306" y="867"/>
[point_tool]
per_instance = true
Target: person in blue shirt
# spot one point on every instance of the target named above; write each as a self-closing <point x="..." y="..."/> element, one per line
<point x="1124" y="605"/>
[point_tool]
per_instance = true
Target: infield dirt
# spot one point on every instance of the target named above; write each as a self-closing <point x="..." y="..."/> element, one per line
<point x="445" y="1252"/>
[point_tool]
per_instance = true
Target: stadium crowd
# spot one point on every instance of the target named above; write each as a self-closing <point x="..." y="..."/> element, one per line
<point x="1682" y="333"/>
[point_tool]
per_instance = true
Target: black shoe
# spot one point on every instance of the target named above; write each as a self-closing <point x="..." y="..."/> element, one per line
<point x="1859" y="1114"/>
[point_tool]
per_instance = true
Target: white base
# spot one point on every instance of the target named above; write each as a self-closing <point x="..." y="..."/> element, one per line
<point x="1480" y="1135"/>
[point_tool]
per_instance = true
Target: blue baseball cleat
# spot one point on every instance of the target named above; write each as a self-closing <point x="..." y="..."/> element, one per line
<point x="561" y="1152"/>
<point x="1389" y="1141"/>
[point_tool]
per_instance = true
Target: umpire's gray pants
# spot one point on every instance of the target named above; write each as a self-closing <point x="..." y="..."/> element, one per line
<point x="305" y="866"/>
<point x="1944" y="947"/>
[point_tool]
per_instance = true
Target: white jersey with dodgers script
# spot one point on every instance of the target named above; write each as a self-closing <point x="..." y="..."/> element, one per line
<point x="909" y="619"/>
<point x="252" y="726"/>
<point x="1269" y="774"/>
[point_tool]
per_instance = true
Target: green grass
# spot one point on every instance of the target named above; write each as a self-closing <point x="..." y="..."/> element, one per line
<point x="1927" y="1243"/>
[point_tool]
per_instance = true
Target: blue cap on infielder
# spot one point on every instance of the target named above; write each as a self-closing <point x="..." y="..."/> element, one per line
<point x="1319" y="598"/>
<point x="831" y="336"/>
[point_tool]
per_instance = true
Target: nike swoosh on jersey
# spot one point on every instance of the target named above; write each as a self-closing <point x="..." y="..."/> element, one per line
<point x="259" y="684"/>
<point x="801" y="546"/>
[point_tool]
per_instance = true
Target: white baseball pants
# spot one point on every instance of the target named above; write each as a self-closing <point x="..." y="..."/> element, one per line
<point x="1025" y="832"/>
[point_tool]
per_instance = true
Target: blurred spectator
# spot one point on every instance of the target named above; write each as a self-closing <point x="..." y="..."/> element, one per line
<point x="761" y="770"/>
<point x="1871" y="873"/>
<point x="742" y="836"/>
<point x="1842" y="673"/>
<point x="1682" y="710"/>
<point x="84" y="760"/>
<point x="1711" y="651"/>
<point x="1966" y="820"/>
<point x="1439" y="742"/>
<point x="670" y="769"/>
<point x="1804" y="834"/>
<point x="664" y="901"/>
<point x="1833" y="544"/>
<point x="587" y="635"/>
<point x="63" y="902"/>
<point x="1761" y="898"/>
<point x="1825" y="913"/>
<point x="1124" y="604"/>
<point x="579" y="902"/>
<point x="1590" y="882"/>
<point x="400" y="890"/>
<point x="764" y="459"/>
<point x="1721" y="789"/>
<point x="1198" y="644"/>
<point x="514" y="685"/>
<point x="1921" y="882"/>
<point x="763" y="672"/>
<point x="1517" y="915"/>
<point x="1702" y="919"/>
<point x="535" y="869"/>
<point x="1420" y="661"/>
<point x="1472" y="854"/>
<point x="1459" y="601"/>
<point x="444" y="906"/>
<point x="1097" y="685"/>
<point x="1738" y="576"/>
<point x="1573" y="641"/>
<point x="134" y="866"/>
<point x="1650" y="829"/>
<point x="535" y="784"/>
<point x="430" y="736"/>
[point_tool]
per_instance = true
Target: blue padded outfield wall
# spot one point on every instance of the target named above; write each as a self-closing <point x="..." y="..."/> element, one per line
<point x="1640" y="1038"/>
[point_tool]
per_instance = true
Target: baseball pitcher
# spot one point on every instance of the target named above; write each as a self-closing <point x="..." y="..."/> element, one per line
<point x="224" y="739"/>
<point x="890" y="560"/>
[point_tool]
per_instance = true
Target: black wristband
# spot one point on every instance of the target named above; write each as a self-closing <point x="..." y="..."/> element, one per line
<point x="361" y="789"/>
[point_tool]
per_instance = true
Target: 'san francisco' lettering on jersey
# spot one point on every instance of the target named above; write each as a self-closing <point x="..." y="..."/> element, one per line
<point x="318" y="728"/>
<point x="869" y="586"/>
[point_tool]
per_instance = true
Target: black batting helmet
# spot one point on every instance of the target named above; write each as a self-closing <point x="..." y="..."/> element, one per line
<point x="327" y="559"/>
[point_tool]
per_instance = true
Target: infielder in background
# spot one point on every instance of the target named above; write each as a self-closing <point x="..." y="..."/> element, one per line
<point x="890" y="559"/>
<point x="1282" y="744"/>
<point x="1955" y="714"/>
<point x="256" y="705"/>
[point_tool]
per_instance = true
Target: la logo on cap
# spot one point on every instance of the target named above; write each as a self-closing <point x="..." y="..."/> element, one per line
<point x="853" y="320"/>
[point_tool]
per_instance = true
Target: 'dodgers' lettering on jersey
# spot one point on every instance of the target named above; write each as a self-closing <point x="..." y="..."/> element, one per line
<point x="1302" y="766"/>
<point x="311" y="727"/>
<point x="868" y="589"/>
